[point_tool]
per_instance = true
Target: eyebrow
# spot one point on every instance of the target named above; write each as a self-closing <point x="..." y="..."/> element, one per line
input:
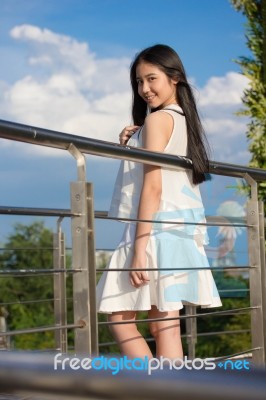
<point x="148" y="75"/>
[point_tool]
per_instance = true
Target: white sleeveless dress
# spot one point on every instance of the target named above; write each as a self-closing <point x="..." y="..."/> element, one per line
<point x="175" y="249"/>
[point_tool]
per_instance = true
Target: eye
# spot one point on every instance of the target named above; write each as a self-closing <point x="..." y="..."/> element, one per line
<point x="139" y="82"/>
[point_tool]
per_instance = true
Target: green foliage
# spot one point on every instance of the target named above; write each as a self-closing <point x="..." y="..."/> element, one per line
<point x="30" y="298"/>
<point x="254" y="68"/>
<point x="30" y="247"/>
<point x="224" y="344"/>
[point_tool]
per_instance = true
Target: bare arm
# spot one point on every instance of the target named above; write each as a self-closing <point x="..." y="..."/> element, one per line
<point x="156" y="133"/>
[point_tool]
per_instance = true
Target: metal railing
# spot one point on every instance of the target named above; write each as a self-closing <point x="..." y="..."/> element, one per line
<point x="82" y="216"/>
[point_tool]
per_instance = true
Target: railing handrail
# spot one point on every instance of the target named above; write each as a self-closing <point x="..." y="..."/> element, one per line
<point x="37" y="211"/>
<point x="50" y="138"/>
<point x="58" y="212"/>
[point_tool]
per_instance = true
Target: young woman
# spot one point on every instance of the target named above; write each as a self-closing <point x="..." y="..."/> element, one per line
<point x="165" y="120"/>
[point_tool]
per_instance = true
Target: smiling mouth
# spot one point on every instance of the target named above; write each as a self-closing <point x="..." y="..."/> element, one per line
<point x="149" y="98"/>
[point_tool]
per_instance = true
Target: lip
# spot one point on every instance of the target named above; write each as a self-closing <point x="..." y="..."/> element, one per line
<point x="149" y="99"/>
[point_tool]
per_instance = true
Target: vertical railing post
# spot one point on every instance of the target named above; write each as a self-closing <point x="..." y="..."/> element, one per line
<point x="263" y="268"/>
<point x="83" y="259"/>
<point x="4" y="340"/>
<point x="60" y="306"/>
<point x="255" y="280"/>
<point x="191" y="331"/>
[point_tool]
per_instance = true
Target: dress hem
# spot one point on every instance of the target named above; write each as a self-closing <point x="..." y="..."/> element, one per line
<point x="175" y="308"/>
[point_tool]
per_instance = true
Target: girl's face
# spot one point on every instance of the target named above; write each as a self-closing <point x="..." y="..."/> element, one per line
<point x="154" y="86"/>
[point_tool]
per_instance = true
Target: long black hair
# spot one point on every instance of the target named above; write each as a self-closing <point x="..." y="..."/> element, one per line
<point x="168" y="61"/>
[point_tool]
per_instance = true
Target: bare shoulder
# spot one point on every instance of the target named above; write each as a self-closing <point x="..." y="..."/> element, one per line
<point x="157" y="131"/>
<point x="161" y="118"/>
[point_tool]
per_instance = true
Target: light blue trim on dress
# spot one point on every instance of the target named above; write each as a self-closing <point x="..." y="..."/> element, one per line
<point x="177" y="247"/>
<point x="187" y="191"/>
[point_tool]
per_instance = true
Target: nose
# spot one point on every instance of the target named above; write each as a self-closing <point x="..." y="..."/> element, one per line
<point x="145" y="87"/>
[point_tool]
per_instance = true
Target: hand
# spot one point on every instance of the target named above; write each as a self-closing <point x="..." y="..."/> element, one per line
<point x="139" y="278"/>
<point x="126" y="133"/>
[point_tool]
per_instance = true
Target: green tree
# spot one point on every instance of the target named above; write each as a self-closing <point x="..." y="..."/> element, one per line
<point x="30" y="297"/>
<point x="28" y="248"/>
<point x="254" y="68"/>
<point x="224" y="344"/>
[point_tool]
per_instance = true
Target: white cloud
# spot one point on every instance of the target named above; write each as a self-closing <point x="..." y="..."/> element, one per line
<point x="225" y="90"/>
<point x="40" y="60"/>
<point x="229" y="127"/>
<point x="77" y="92"/>
<point x="29" y="32"/>
<point x="219" y="100"/>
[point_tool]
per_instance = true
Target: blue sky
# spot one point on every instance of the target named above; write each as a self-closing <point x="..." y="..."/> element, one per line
<point x="207" y="34"/>
<point x="64" y="66"/>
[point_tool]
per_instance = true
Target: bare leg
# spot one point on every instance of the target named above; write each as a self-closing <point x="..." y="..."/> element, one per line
<point x="130" y="341"/>
<point x="166" y="333"/>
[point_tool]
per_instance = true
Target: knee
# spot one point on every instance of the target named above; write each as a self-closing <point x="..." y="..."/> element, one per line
<point x="114" y="328"/>
<point x="153" y="329"/>
<point x="120" y="331"/>
<point x="159" y="332"/>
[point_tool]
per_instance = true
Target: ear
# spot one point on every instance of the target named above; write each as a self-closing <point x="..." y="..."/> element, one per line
<point x="175" y="81"/>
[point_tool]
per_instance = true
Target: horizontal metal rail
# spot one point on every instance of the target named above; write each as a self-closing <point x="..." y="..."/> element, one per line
<point x="184" y="335"/>
<point x="41" y="329"/>
<point x="26" y="302"/>
<point x="110" y="250"/>
<point x="49" y="212"/>
<point x="244" y="267"/>
<point x="225" y="268"/>
<point x="33" y="272"/>
<point x="33" y="211"/>
<point x="81" y="325"/>
<point x="214" y="333"/>
<point x="182" y="223"/>
<point x="231" y="356"/>
<point x="26" y="248"/>
<point x="243" y="310"/>
<point x="50" y="138"/>
<point x="211" y="220"/>
<point x="234" y="290"/>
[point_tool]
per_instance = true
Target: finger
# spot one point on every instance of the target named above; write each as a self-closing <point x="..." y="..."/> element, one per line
<point x="138" y="279"/>
<point x="135" y="280"/>
<point x="135" y="285"/>
<point x="127" y="132"/>
<point x="131" y="128"/>
<point x="143" y="276"/>
<point x="134" y="128"/>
